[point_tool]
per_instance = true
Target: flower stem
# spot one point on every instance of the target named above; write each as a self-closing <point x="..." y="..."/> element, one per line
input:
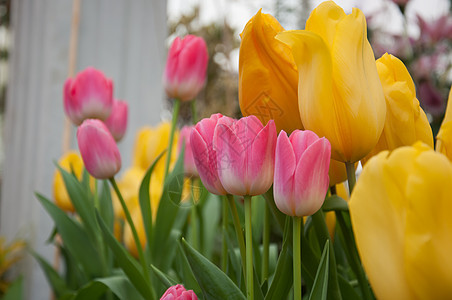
<point x="297" y="257"/>
<point x="171" y="137"/>
<point x="194" y="115"/>
<point x="249" y="249"/>
<point x="134" y="232"/>
<point x="266" y="243"/>
<point x="351" y="176"/>
<point x="238" y="230"/>
<point x="224" y="257"/>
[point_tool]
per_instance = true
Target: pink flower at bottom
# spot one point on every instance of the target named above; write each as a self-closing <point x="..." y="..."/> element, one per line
<point x="178" y="292"/>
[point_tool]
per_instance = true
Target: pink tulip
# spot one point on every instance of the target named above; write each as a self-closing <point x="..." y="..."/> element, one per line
<point x="245" y="155"/>
<point x="117" y="121"/>
<point x="189" y="161"/>
<point x="204" y="154"/>
<point x="98" y="149"/>
<point x="186" y="67"/>
<point x="301" y="172"/>
<point x="88" y="96"/>
<point x="178" y="292"/>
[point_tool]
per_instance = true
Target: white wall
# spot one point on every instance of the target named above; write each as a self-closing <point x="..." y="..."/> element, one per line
<point x="125" y="39"/>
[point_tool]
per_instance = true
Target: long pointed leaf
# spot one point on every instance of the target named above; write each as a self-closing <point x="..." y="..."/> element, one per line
<point x="320" y="288"/>
<point x="75" y="238"/>
<point x="57" y="283"/>
<point x="125" y="261"/>
<point x="213" y="282"/>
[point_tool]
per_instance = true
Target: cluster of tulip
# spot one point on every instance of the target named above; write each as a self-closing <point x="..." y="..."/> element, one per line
<point x="333" y="105"/>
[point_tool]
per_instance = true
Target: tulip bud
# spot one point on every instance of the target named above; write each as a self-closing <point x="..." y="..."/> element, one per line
<point x="88" y="96"/>
<point x="245" y="155"/>
<point x="186" y="66"/>
<point x="205" y="155"/>
<point x="99" y="151"/>
<point x="178" y="292"/>
<point x="117" y="121"/>
<point x="301" y="172"/>
<point x="189" y="162"/>
<point x="268" y="75"/>
<point x="339" y="93"/>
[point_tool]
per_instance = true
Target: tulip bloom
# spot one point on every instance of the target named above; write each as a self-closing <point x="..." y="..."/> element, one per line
<point x="88" y="96"/>
<point x="405" y="122"/>
<point x="186" y="66"/>
<point x="339" y="92"/>
<point x="178" y="292"/>
<point x="245" y="155"/>
<point x="268" y="75"/>
<point x="117" y="121"/>
<point x="301" y="172"/>
<point x="205" y="155"/>
<point x="444" y="137"/>
<point x="98" y="149"/>
<point x="70" y="161"/>
<point x="400" y="210"/>
<point x="189" y="161"/>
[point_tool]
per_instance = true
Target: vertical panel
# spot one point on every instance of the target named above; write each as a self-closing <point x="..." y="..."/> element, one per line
<point x="123" y="38"/>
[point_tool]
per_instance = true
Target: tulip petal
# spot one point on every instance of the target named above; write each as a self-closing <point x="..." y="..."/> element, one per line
<point x="261" y="159"/>
<point x="285" y="163"/>
<point x="311" y="177"/>
<point x="268" y="75"/>
<point x="301" y="140"/>
<point x="230" y="159"/>
<point x="378" y="218"/>
<point x="428" y="241"/>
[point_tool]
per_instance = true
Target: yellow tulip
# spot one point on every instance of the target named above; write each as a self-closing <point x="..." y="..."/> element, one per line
<point x="339" y="93"/>
<point x="400" y="210"/>
<point x="71" y="161"/>
<point x="268" y="75"/>
<point x="444" y="137"/>
<point x="405" y="122"/>
<point x="150" y="142"/>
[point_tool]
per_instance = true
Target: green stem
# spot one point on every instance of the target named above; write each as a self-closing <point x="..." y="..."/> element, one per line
<point x="95" y="195"/>
<point x="171" y="137"/>
<point x="266" y="243"/>
<point x="297" y="257"/>
<point x="249" y="249"/>
<point x="353" y="256"/>
<point x="194" y="226"/>
<point x="238" y="230"/>
<point x="351" y="176"/>
<point x="224" y="257"/>
<point x="134" y="233"/>
<point x="194" y="115"/>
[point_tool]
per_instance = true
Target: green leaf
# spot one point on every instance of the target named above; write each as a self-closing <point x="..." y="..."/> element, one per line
<point x="320" y="287"/>
<point x="211" y="218"/>
<point x="106" y="206"/>
<point x="164" y="279"/>
<point x="57" y="283"/>
<point x="119" y="285"/>
<point x="75" y="238"/>
<point x="185" y="271"/>
<point x="167" y="211"/>
<point x="126" y="262"/>
<point x="335" y="202"/>
<point x="82" y="201"/>
<point x="145" y="201"/>
<point x="347" y="291"/>
<point x="15" y="291"/>
<point x="283" y="277"/>
<point x="277" y="214"/>
<point x="214" y="283"/>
